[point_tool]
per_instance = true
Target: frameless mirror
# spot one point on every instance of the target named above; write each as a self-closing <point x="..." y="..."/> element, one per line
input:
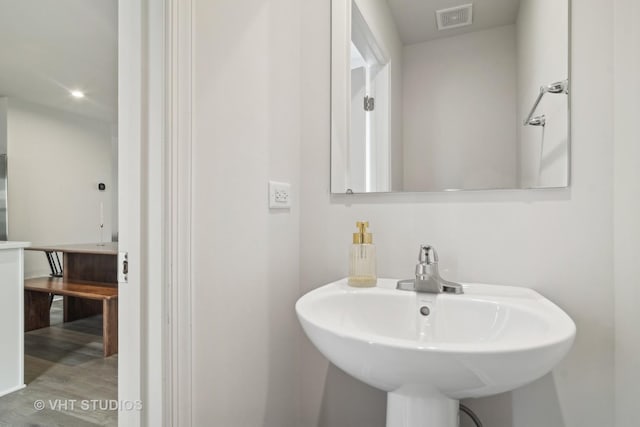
<point x="442" y="95"/>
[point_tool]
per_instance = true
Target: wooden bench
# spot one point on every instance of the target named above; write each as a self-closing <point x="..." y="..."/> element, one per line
<point x="81" y="300"/>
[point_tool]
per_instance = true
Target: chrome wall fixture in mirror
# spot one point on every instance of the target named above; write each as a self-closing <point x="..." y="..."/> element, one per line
<point x="442" y="95"/>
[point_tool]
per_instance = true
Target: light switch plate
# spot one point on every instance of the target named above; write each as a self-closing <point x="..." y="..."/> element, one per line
<point x="279" y="195"/>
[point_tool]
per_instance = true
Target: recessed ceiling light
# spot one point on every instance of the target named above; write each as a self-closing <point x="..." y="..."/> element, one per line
<point x="77" y="94"/>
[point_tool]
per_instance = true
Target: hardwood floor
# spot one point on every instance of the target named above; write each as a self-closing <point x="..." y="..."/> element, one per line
<point x="64" y="363"/>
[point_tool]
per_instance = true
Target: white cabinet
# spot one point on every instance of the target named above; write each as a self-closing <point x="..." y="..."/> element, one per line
<point x="11" y="316"/>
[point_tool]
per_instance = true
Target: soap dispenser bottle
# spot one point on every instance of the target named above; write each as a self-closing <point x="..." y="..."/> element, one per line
<point x="362" y="258"/>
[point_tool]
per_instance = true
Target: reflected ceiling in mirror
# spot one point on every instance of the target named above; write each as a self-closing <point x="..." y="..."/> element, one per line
<point x="442" y="95"/>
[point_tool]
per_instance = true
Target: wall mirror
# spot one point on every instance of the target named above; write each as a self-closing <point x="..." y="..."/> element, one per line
<point x="446" y="95"/>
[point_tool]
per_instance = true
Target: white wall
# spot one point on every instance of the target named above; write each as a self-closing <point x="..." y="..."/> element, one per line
<point x="558" y="242"/>
<point x="460" y="108"/>
<point x="55" y="161"/>
<point x="4" y="111"/>
<point x="251" y="264"/>
<point x="114" y="178"/>
<point x="627" y="210"/>
<point x="542" y="59"/>
<point x="247" y="102"/>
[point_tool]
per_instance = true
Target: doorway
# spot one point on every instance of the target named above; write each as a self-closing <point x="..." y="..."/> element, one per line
<point x="58" y="84"/>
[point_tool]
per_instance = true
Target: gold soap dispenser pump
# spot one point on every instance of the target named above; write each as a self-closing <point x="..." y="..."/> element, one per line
<point x="362" y="258"/>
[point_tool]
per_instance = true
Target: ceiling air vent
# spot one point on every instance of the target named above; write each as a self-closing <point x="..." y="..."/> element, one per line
<point x="454" y="17"/>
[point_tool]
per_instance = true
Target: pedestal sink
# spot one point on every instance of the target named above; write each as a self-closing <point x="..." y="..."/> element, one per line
<point x="427" y="351"/>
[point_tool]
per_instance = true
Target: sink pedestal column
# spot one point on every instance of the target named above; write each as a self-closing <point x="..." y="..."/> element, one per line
<point x="417" y="411"/>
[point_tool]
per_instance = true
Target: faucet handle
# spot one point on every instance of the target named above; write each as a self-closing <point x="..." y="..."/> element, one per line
<point x="427" y="255"/>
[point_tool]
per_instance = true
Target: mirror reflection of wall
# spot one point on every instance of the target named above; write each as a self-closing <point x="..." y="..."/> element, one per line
<point x="58" y="99"/>
<point x="461" y="79"/>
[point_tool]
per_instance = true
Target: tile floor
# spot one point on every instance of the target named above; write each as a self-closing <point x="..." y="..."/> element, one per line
<point x="64" y="363"/>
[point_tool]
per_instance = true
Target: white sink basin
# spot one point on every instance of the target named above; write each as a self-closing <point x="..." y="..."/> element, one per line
<point x="488" y="340"/>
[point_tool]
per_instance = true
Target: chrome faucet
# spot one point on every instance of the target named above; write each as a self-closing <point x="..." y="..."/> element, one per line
<point x="427" y="275"/>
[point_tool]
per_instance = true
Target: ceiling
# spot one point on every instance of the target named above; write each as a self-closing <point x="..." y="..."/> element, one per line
<point x="416" y="19"/>
<point x="48" y="47"/>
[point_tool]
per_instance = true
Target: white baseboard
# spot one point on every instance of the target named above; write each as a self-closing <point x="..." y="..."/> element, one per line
<point x="11" y="390"/>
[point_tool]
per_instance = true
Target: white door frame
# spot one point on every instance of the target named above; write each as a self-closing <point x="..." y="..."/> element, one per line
<point x="130" y="134"/>
<point x="154" y="190"/>
<point x="179" y="87"/>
